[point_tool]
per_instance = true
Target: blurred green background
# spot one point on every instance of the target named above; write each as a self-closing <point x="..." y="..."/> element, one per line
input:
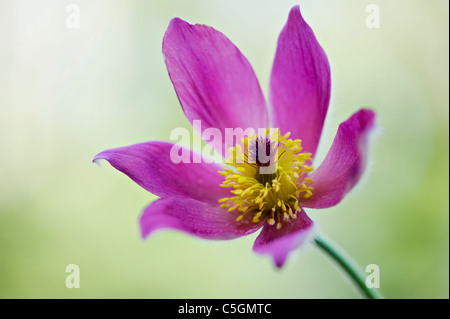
<point x="67" y="94"/>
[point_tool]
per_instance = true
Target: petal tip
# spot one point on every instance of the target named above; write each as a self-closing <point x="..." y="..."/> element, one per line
<point x="98" y="158"/>
<point x="368" y="113"/>
<point x="175" y="25"/>
<point x="176" y="22"/>
<point x="295" y="15"/>
<point x="280" y="246"/>
<point x="364" y="119"/>
<point x="295" y="9"/>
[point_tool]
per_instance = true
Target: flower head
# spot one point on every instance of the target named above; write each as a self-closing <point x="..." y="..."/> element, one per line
<point x="268" y="178"/>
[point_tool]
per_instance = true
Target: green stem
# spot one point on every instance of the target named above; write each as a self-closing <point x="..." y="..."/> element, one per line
<point x="349" y="266"/>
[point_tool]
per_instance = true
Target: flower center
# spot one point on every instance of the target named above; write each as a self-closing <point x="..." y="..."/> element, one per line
<point x="268" y="176"/>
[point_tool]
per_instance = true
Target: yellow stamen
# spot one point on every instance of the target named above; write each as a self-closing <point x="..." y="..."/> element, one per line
<point x="267" y="194"/>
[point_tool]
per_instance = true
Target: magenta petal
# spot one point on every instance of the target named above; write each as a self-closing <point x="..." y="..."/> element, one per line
<point x="149" y="165"/>
<point x="214" y="82"/>
<point x="280" y="242"/>
<point x="344" y="163"/>
<point x="300" y="83"/>
<point x="194" y="217"/>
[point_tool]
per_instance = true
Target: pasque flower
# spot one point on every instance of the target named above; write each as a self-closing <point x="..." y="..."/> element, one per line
<point x="216" y="84"/>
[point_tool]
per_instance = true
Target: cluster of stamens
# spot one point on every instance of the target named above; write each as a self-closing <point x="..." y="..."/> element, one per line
<point x="268" y="177"/>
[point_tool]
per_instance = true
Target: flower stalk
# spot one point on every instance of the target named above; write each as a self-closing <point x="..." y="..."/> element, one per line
<point x="349" y="265"/>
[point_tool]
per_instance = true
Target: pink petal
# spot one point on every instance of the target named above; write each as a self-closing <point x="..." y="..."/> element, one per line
<point x="149" y="165"/>
<point x="344" y="163"/>
<point x="300" y="83"/>
<point x="214" y="82"/>
<point x="280" y="242"/>
<point x="194" y="217"/>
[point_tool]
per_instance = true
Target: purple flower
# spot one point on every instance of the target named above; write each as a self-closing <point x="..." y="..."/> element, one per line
<point x="216" y="84"/>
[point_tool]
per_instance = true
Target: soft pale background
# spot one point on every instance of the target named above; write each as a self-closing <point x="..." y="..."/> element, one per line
<point x="67" y="94"/>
